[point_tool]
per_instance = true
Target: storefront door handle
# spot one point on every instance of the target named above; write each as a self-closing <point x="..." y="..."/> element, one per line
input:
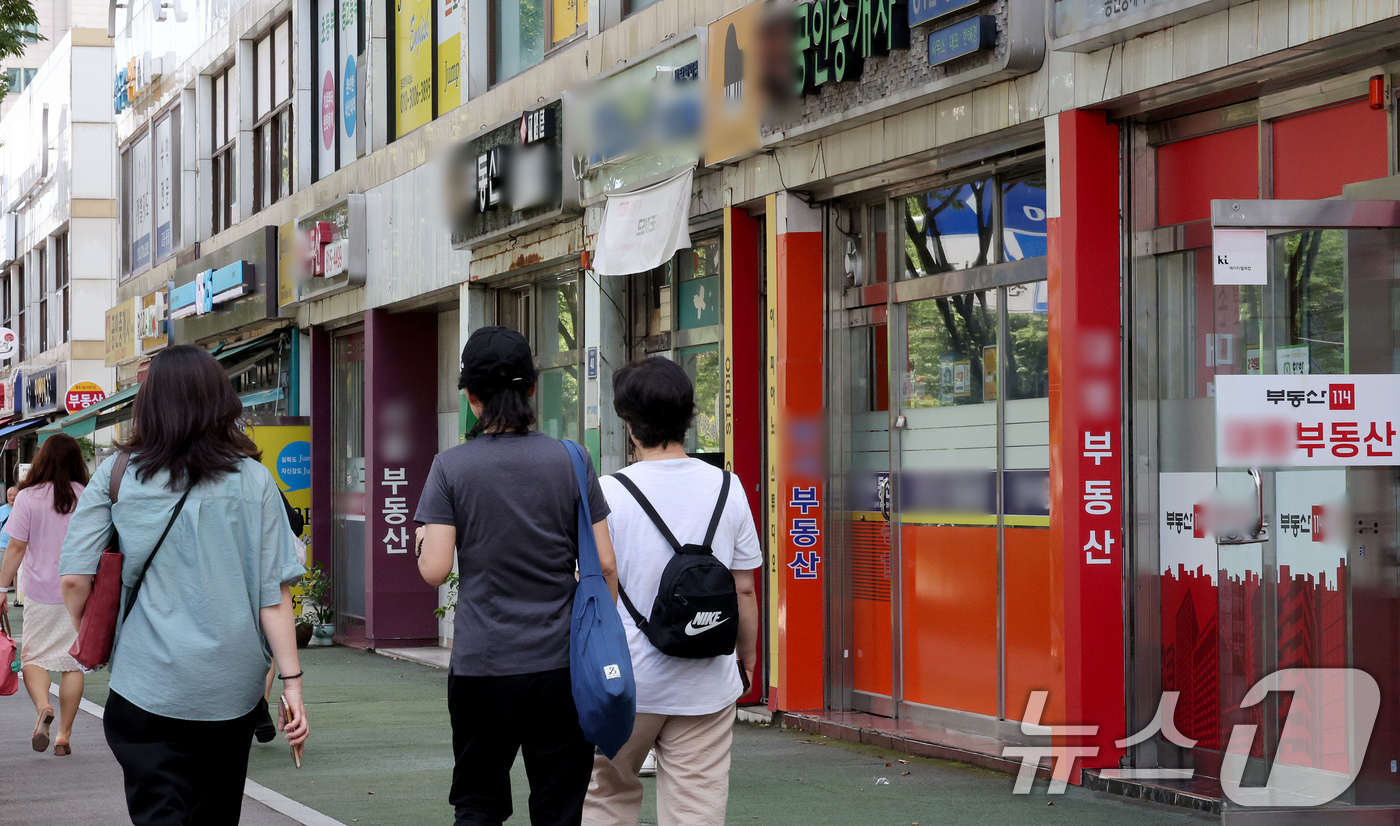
<point x="1260" y="533"/>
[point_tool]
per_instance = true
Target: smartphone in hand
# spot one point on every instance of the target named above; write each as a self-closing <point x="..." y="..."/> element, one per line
<point x="743" y="676"/>
<point x="287" y="715"/>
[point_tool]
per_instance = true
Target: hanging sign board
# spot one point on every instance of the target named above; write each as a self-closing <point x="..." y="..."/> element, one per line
<point x="1241" y="256"/>
<point x="9" y="344"/>
<point x="1307" y="420"/>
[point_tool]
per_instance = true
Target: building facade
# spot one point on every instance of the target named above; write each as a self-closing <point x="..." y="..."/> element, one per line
<point x="58" y="220"/>
<point x="951" y="305"/>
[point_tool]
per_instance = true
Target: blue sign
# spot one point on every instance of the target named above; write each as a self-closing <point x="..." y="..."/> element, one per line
<point x="294" y="466"/>
<point x="211" y="287"/>
<point x="961" y="39"/>
<point x="925" y="11"/>
<point x="347" y="107"/>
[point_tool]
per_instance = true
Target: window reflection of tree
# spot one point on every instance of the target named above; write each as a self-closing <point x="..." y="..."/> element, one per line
<point x="1316" y="300"/>
<point x="959" y="324"/>
<point x="921" y="219"/>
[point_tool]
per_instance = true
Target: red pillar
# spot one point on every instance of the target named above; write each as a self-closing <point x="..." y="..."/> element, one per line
<point x="1085" y="403"/>
<point x="796" y="454"/>
<point x="743" y="377"/>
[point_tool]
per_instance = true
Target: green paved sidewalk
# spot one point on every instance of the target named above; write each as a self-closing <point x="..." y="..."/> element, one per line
<point x="380" y="753"/>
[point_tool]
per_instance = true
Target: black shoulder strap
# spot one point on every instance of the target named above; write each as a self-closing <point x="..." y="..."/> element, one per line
<point x="651" y="511"/>
<point x="719" y="509"/>
<point x="114" y="484"/>
<point x="136" y="586"/>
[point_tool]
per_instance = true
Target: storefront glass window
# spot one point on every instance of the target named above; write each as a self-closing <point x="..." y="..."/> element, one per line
<point x="559" y="403"/>
<point x="698" y="273"/>
<point x="702" y="365"/>
<point x="949" y="229"/>
<point x="1023" y="217"/>
<point x="1316" y="273"/>
<point x="949" y="338"/>
<point x="1028" y="342"/>
<point x="559" y="318"/>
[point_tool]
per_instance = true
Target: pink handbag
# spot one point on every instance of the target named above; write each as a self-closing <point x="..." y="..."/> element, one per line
<point x="9" y="658"/>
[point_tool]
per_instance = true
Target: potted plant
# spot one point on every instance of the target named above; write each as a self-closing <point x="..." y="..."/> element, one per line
<point x="304" y="628"/>
<point x="316" y="588"/>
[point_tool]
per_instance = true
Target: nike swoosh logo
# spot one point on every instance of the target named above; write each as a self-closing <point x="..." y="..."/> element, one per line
<point x="691" y="630"/>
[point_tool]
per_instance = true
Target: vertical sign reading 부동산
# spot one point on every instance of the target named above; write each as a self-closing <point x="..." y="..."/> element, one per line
<point x="413" y="65"/>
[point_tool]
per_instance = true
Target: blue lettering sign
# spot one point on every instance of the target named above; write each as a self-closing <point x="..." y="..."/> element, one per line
<point x="961" y="39"/>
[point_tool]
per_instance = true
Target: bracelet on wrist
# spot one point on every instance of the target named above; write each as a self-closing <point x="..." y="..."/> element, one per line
<point x="296" y="676"/>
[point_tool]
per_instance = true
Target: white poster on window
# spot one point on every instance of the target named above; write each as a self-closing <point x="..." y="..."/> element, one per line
<point x="1306" y="420"/>
<point x="324" y="87"/>
<point x="140" y="200"/>
<point x="1241" y="256"/>
<point x="349" y="79"/>
<point x="165" y="190"/>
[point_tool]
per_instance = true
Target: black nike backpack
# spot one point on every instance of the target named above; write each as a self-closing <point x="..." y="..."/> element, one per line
<point x="696" y="612"/>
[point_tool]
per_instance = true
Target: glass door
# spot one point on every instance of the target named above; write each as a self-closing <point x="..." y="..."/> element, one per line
<point x="348" y="481"/>
<point x="1305" y="516"/>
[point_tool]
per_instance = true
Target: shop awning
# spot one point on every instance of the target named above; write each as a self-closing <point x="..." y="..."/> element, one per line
<point x="85" y="422"/>
<point x="22" y="427"/>
<point x="641" y="230"/>
<point x="226" y="353"/>
<point x="261" y="397"/>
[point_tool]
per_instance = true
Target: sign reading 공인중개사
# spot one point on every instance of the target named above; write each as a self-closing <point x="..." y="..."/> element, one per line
<point x="834" y="37"/>
<point x="1306" y="420"/>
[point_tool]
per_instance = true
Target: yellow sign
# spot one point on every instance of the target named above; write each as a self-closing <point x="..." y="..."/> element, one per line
<point x="286" y="451"/>
<point x="286" y="261"/>
<point x="732" y="99"/>
<point x="775" y="616"/>
<point x="413" y="64"/>
<point x="151" y="321"/>
<point x="568" y="16"/>
<point x="449" y="46"/>
<point x="121" y="332"/>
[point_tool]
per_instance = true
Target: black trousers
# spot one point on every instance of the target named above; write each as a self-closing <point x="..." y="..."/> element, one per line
<point x="179" y="772"/>
<point x="492" y="719"/>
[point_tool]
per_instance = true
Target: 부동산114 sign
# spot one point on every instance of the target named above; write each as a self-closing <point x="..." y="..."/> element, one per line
<point x="1307" y="420"/>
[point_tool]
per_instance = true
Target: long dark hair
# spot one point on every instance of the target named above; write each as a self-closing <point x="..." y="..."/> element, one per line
<point x="59" y="462"/>
<point x="186" y="420"/>
<point x="504" y="410"/>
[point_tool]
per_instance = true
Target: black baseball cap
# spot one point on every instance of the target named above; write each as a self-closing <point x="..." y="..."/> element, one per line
<point x="495" y="358"/>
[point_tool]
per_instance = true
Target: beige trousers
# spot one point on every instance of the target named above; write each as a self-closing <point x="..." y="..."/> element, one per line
<point x="692" y="772"/>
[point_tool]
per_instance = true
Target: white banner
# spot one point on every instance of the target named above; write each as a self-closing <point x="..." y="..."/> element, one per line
<point x="324" y="86"/>
<point x="1306" y="420"/>
<point x="349" y="79"/>
<point x="165" y="190"/>
<point x="140" y="196"/>
<point x="641" y="230"/>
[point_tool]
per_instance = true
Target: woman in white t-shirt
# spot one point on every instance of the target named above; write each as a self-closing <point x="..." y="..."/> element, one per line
<point x="685" y="707"/>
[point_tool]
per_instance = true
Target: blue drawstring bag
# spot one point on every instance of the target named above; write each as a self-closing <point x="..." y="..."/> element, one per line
<point x="600" y="663"/>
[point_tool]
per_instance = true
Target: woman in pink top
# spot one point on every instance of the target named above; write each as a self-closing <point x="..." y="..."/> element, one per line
<point x="37" y="526"/>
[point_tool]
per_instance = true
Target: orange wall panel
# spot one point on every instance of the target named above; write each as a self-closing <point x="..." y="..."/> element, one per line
<point x="950" y="617"/>
<point x="1032" y="646"/>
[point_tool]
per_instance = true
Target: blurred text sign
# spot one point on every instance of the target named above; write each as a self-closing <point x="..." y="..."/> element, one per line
<point x="1306" y="420"/>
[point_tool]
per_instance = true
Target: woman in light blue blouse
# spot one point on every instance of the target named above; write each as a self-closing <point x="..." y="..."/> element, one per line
<point x="189" y="663"/>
